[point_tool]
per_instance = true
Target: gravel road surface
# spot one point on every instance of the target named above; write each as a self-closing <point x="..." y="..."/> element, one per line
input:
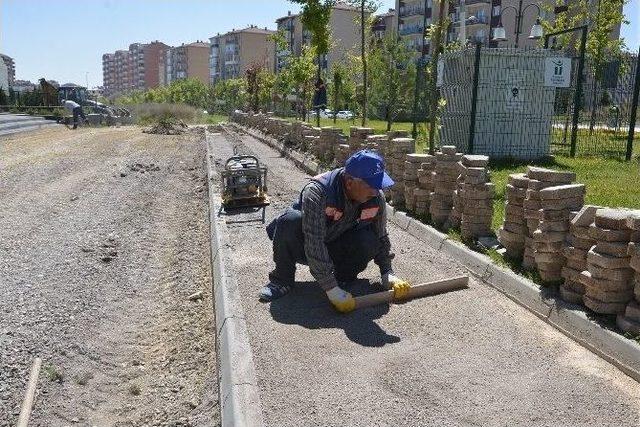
<point x="104" y="235"/>
<point x="466" y="358"/>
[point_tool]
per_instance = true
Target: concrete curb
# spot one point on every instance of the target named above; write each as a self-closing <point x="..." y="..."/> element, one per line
<point x="239" y="394"/>
<point x="569" y="319"/>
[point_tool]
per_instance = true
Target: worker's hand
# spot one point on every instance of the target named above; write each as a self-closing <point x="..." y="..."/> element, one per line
<point x="342" y="300"/>
<point x="400" y="287"/>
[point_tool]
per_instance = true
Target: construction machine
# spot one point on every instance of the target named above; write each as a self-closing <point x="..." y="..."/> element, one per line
<point x="244" y="184"/>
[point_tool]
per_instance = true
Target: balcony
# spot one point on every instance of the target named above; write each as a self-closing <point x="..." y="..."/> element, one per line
<point x="472" y="20"/>
<point x="411" y="29"/>
<point x="406" y="11"/>
<point x="473" y="2"/>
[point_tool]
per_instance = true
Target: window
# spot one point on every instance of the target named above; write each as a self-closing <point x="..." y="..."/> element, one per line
<point x="496" y="11"/>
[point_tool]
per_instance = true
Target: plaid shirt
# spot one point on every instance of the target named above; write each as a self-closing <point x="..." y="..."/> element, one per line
<point x="317" y="232"/>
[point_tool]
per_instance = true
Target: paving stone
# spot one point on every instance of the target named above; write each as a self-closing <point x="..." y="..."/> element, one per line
<point x="606" y="285"/>
<point x="585" y="216"/>
<point x="560" y="204"/>
<point x="571" y="252"/>
<point x="606" y="261"/>
<point x="540" y="236"/>
<point x="559" y="215"/>
<point x="581" y="232"/>
<point x="633" y="220"/>
<point x="601" y="234"/>
<point x="603" y="307"/>
<point x="553" y="226"/>
<point x="576" y="264"/>
<point x="617" y="274"/>
<point x="570" y="273"/>
<point x="580" y="243"/>
<point x="449" y="149"/>
<point x="567" y="191"/>
<point x="616" y="249"/>
<point x="611" y="219"/>
<point x="518" y="180"/>
<point x="515" y="192"/>
<point x="549" y="175"/>
<point x="477" y="161"/>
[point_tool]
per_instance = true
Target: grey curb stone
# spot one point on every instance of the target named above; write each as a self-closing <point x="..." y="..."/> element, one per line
<point x="571" y="321"/>
<point x="239" y="394"/>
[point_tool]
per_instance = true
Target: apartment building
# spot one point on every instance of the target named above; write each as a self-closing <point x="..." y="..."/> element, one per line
<point x="188" y="61"/>
<point x="475" y="20"/>
<point x="384" y="24"/>
<point x="11" y="68"/>
<point x="140" y="67"/>
<point x="345" y="33"/>
<point x="234" y="52"/>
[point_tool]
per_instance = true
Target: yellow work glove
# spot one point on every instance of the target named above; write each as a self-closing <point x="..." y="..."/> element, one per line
<point x="342" y="300"/>
<point x="400" y="287"/>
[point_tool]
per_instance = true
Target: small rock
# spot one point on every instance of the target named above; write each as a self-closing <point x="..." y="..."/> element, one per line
<point x="195" y="296"/>
<point x="74" y="198"/>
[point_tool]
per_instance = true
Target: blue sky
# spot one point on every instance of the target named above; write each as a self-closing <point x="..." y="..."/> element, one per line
<point x="67" y="41"/>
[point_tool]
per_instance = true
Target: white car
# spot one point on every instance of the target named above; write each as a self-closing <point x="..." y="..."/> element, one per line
<point x="345" y="115"/>
<point x="326" y="114"/>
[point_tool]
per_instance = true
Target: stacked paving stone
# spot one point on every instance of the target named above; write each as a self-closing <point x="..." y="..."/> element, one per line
<point x="391" y="135"/>
<point x="555" y="203"/>
<point x="343" y="151"/>
<point x="608" y="280"/>
<point x="422" y="193"/>
<point x="376" y="143"/>
<point x="412" y="163"/>
<point x="630" y="320"/>
<point x="326" y="144"/>
<point x="474" y="204"/>
<point x="358" y="137"/>
<point x="397" y="151"/>
<point x="444" y="184"/>
<point x="577" y="247"/>
<point x="545" y="240"/>
<point x="514" y="231"/>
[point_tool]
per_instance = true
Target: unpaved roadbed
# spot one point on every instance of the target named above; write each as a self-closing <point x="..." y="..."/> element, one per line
<point x="465" y="358"/>
<point x="104" y="237"/>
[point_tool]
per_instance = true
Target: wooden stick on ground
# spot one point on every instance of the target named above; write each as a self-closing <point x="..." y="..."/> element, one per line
<point x="25" y="411"/>
<point x="417" y="291"/>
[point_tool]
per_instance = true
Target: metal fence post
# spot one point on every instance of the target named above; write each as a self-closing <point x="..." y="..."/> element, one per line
<point x="578" y="95"/>
<point x="634" y="110"/>
<point x="474" y="98"/>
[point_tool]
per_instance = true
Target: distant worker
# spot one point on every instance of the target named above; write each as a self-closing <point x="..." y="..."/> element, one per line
<point x="336" y="228"/>
<point x="75" y="109"/>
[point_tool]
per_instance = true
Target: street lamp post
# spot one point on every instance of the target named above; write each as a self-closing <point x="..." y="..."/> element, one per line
<point x="500" y="35"/>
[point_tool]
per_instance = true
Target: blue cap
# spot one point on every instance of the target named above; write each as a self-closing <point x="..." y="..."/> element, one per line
<point x="369" y="167"/>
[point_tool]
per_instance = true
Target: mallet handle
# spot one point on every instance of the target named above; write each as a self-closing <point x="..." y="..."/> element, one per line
<point x="416" y="291"/>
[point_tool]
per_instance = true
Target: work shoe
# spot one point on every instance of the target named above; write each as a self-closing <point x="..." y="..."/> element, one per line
<point x="273" y="291"/>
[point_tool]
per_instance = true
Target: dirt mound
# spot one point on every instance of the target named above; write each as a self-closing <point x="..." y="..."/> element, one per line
<point x="167" y="128"/>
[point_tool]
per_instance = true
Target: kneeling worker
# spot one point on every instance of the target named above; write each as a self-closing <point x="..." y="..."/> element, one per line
<point x="337" y="226"/>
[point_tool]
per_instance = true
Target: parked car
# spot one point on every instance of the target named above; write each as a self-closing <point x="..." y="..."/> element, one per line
<point x="345" y="115"/>
<point x="326" y="114"/>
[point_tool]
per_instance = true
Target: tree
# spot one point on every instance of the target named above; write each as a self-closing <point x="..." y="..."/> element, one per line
<point x="366" y="7"/>
<point x="392" y="78"/>
<point x="3" y="97"/>
<point x="315" y="18"/>
<point x="436" y="34"/>
<point x="336" y="88"/>
<point x="601" y="48"/>
<point x="300" y="71"/>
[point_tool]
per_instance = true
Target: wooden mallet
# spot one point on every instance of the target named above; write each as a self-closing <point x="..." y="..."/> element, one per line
<point x="417" y="291"/>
